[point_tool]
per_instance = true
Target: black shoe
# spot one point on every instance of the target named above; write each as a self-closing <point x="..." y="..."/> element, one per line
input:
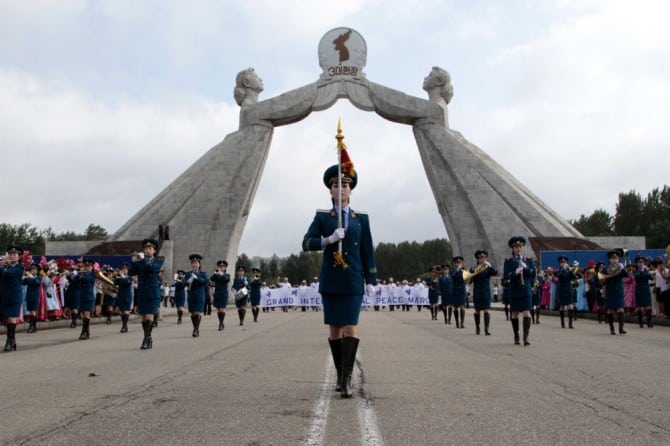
<point x="147" y="343"/>
<point x="349" y="347"/>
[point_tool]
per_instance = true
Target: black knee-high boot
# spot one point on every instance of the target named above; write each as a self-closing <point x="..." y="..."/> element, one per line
<point x="532" y="315"/>
<point x="506" y="313"/>
<point x="180" y="313"/>
<point x="85" y="334"/>
<point x="515" y="328"/>
<point x="73" y="324"/>
<point x="336" y="351"/>
<point x="33" y="323"/>
<point x="526" y="330"/>
<point x="154" y="323"/>
<point x="444" y="313"/>
<point x="124" y="323"/>
<point x="571" y="316"/>
<point x="600" y="316"/>
<point x="10" y="344"/>
<point x="537" y="315"/>
<point x="462" y="311"/>
<point x="610" y="321"/>
<point x="241" y="312"/>
<point x="349" y="348"/>
<point x="147" y="342"/>
<point x="195" y="320"/>
<point x="457" y="318"/>
<point x="255" y="312"/>
<point x="648" y="313"/>
<point x="449" y="310"/>
<point x="620" y="319"/>
<point x="477" y="319"/>
<point x="639" y="318"/>
<point x="562" y="314"/>
<point x="221" y="318"/>
<point x="487" y="324"/>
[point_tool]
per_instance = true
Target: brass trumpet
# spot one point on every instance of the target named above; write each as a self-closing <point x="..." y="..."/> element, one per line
<point x="106" y="284"/>
<point x="612" y="271"/>
<point x="468" y="276"/>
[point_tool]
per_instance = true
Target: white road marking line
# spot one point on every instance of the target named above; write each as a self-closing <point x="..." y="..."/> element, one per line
<point x="319" y="418"/>
<point x="367" y="417"/>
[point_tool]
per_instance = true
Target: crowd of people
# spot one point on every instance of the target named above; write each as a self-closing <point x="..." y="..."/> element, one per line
<point x="79" y="291"/>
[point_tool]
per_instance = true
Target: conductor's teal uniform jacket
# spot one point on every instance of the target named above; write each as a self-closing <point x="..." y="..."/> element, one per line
<point x="357" y="250"/>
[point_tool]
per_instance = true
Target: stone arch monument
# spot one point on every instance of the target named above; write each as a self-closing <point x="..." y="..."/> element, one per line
<point x="481" y="204"/>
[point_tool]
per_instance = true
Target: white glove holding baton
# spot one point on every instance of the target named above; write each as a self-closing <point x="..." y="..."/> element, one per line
<point x="336" y="236"/>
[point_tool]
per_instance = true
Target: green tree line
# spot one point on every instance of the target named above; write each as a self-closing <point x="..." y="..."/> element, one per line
<point x="33" y="239"/>
<point x="634" y="215"/>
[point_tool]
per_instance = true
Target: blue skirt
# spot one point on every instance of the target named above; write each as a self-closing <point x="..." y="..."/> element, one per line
<point x="341" y="309"/>
<point x="482" y="303"/>
<point x="520" y="303"/>
<point x="148" y="306"/>
<point x="11" y="309"/>
<point x="196" y="302"/>
<point x="86" y="305"/>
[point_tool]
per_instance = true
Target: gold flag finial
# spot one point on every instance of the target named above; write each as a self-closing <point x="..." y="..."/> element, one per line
<point x="340" y="136"/>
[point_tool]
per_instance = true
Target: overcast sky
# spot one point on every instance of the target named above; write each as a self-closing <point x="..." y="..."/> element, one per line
<point x="104" y="103"/>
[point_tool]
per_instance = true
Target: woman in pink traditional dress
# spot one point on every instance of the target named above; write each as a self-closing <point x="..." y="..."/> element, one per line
<point x="545" y="300"/>
<point x="629" y="290"/>
<point x="54" y="306"/>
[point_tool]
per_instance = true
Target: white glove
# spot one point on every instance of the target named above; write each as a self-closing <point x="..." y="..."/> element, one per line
<point x="519" y="270"/>
<point x="522" y="265"/>
<point x="336" y="236"/>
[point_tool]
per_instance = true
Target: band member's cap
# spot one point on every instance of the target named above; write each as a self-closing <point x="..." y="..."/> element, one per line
<point x="255" y="270"/>
<point x="330" y="177"/>
<point x="124" y="265"/>
<point x="562" y="258"/>
<point x="181" y="271"/>
<point x="14" y="248"/>
<point x="88" y="261"/>
<point x="195" y="257"/>
<point x="480" y="252"/>
<point x="150" y="241"/>
<point x="221" y="262"/>
<point x="640" y="257"/>
<point x="241" y="268"/>
<point x="456" y="259"/>
<point x="516" y="241"/>
<point x="614" y="252"/>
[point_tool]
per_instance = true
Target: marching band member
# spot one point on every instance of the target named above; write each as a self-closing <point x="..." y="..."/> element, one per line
<point x="255" y="292"/>
<point x="108" y="300"/>
<point x="86" y="297"/>
<point x="197" y="281"/>
<point x="459" y="291"/>
<point x="481" y="289"/>
<point x="148" y="294"/>
<point x="72" y="294"/>
<point x="642" y="290"/>
<point x="343" y="272"/>
<point x="536" y="293"/>
<point x="519" y="272"/>
<point x="124" y="297"/>
<point x="11" y="276"/>
<point x="433" y="290"/>
<point x="613" y="277"/>
<point x="221" y="279"/>
<point x="241" y="297"/>
<point x="32" y="281"/>
<point x="180" y="294"/>
<point x="565" y="277"/>
<point x="447" y="293"/>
